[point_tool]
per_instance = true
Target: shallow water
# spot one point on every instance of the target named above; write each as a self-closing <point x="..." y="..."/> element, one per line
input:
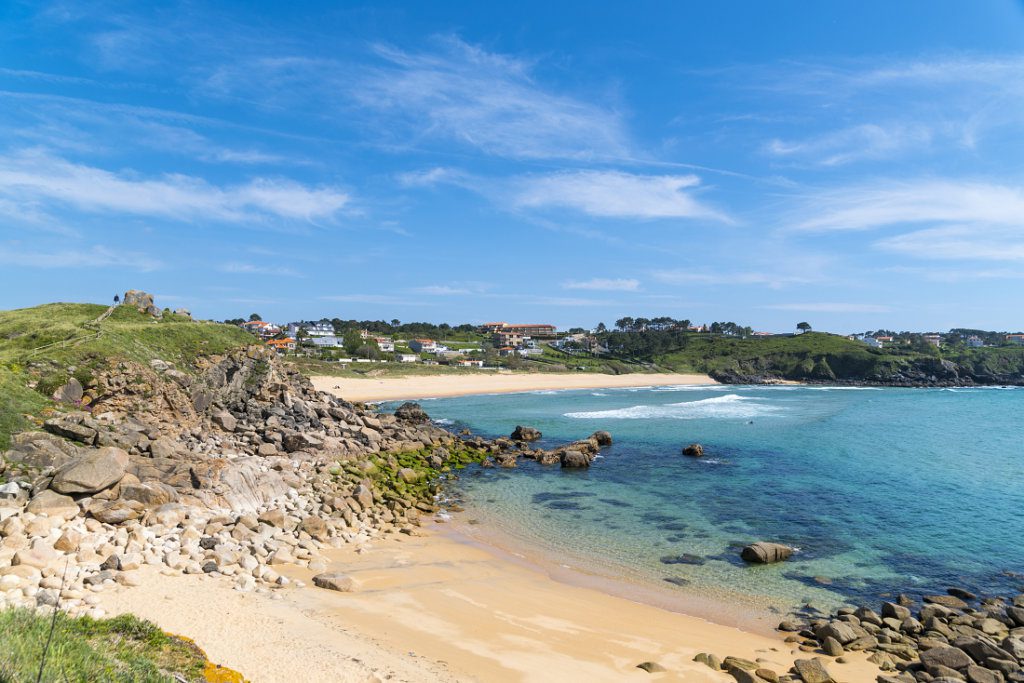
<point x="882" y="490"/>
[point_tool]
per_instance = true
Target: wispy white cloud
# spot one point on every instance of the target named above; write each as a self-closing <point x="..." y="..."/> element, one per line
<point x="827" y="307"/>
<point x="613" y="194"/>
<point x="97" y="256"/>
<point x="604" y="284"/>
<point x="31" y="178"/>
<point x="856" y="143"/>
<point x="381" y="299"/>
<point x="489" y="101"/>
<point x="980" y="241"/>
<point x="888" y="203"/>
<point x="773" y="279"/>
<point x="432" y="176"/>
<point x="240" y="268"/>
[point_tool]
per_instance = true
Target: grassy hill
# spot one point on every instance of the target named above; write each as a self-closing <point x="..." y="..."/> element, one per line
<point x="42" y="347"/>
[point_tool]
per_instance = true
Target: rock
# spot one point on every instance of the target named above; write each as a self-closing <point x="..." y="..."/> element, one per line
<point x="364" y="496"/>
<point x="163" y="447"/>
<point x="961" y="593"/>
<point x="225" y="420"/>
<point x="981" y="650"/>
<point x="573" y="458"/>
<point x="522" y="433"/>
<point x="68" y="541"/>
<point x="300" y="441"/>
<point x="335" y="581"/>
<point x="603" y="438"/>
<point x="979" y="674"/>
<point x="408" y="475"/>
<point x="315" y="527"/>
<point x="840" y="631"/>
<point x="115" y="512"/>
<point x="169" y="515"/>
<point x="411" y="412"/>
<point x="739" y="663"/>
<point x="142" y="301"/>
<point x="649" y="667"/>
<point x="946" y="601"/>
<point x="832" y="647"/>
<point x="69" y="429"/>
<point x="812" y="671"/>
<point x="953" y="657"/>
<point x="274" y="517"/>
<point x="694" y="450"/>
<point x="266" y="450"/>
<point x="891" y="610"/>
<point x="767" y="675"/>
<point x="765" y="553"/>
<point x="71" y="392"/>
<point x="52" y="504"/>
<point x="95" y="471"/>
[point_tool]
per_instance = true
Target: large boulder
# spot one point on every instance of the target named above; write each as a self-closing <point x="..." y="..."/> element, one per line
<point x="573" y="458"/>
<point x="96" y="470"/>
<point x="522" y="433"/>
<point x="765" y="553"/>
<point x="52" y="504"/>
<point x="694" y="450"/>
<point x="142" y="301"/>
<point x="411" y="412"/>
<point x="602" y="437"/>
<point x="951" y="657"/>
<point x="300" y="441"/>
<point x="70" y="392"/>
<point x="335" y="581"/>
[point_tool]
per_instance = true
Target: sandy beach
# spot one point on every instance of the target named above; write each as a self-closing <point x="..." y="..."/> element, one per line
<point x="435" y="386"/>
<point x="437" y="608"/>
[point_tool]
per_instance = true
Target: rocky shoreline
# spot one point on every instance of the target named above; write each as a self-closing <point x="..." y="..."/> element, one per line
<point x="238" y="467"/>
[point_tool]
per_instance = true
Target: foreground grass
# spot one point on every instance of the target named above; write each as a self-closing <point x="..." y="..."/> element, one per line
<point x="124" y="648"/>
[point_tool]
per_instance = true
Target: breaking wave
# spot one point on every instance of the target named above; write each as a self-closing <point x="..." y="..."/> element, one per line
<point x="730" y="406"/>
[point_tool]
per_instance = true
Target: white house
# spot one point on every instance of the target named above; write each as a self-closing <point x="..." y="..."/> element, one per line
<point x="385" y="344"/>
<point x="311" y="329"/>
<point x="423" y="345"/>
<point x="975" y="342"/>
<point x="407" y="358"/>
<point x="469" y="363"/>
<point x="872" y="342"/>
<point x="327" y="342"/>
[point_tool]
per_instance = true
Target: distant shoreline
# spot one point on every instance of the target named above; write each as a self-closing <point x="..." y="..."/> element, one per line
<point x="436" y="386"/>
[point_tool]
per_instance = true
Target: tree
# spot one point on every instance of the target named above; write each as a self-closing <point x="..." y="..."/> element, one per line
<point x="395" y="322"/>
<point x="803" y="327"/>
<point x="353" y="341"/>
<point x="624" y="323"/>
<point x="601" y="328"/>
<point x="253" y="317"/>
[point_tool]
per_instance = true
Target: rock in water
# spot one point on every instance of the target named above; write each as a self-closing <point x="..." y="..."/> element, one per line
<point x="335" y="581"/>
<point x="766" y="553"/>
<point x="95" y="471"/>
<point x="573" y="458"/>
<point x="411" y="412"/>
<point x="603" y="438"/>
<point x="522" y="433"/>
<point x="694" y="450"/>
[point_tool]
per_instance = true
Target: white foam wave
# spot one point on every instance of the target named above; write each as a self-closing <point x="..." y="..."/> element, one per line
<point x="444" y="421"/>
<point x="597" y="393"/>
<point x="730" y="406"/>
<point x="844" y="388"/>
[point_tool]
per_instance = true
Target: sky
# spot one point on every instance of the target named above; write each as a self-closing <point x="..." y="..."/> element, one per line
<point x="853" y="164"/>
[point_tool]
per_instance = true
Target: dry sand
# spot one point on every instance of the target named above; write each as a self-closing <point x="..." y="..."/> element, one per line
<point x="435" y="386"/>
<point x="434" y="608"/>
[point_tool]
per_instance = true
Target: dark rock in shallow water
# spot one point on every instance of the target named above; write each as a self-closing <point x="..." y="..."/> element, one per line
<point x="522" y="433"/>
<point x="603" y="438"/>
<point x="694" y="450"/>
<point x="685" y="558"/>
<point x="766" y="553"/>
<point x="411" y="412"/>
<point x="574" y="459"/>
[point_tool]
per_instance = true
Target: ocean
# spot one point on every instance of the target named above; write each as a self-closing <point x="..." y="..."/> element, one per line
<point x="881" y="490"/>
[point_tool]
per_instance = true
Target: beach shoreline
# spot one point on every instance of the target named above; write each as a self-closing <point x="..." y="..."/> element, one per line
<point x="372" y="389"/>
<point x="442" y="607"/>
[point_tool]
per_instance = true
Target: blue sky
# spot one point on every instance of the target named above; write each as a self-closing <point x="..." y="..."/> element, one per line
<point x="854" y="164"/>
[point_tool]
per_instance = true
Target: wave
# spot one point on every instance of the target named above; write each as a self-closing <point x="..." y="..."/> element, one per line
<point x="730" y="406"/>
<point x="844" y="388"/>
<point x="444" y="421"/>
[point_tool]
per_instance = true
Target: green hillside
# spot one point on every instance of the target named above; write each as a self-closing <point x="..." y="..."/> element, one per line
<point x="42" y="347"/>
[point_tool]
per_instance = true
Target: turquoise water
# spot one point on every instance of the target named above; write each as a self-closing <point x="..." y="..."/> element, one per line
<point x="882" y="490"/>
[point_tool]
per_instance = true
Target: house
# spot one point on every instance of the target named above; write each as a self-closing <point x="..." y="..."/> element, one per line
<point x="542" y="331"/>
<point x="469" y="363"/>
<point x="506" y="351"/>
<point x="1015" y="339"/>
<point x="311" y="329"/>
<point x="327" y="342"/>
<point x="762" y="334"/>
<point x="423" y="345"/>
<point x="507" y="339"/>
<point x="407" y="358"/>
<point x="873" y="342"/>
<point x="281" y="345"/>
<point x="384" y="344"/>
<point x="933" y="339"/>
<point x="975" y="342"/>
<point x="261" y="328"/>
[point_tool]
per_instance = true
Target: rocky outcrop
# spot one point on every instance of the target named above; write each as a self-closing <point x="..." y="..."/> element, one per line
<point x="142" y="301"/>
<point x="522" y="433"/>
<point x="694" y="450"/>
<point x="766" y="553"/>
<point x="94" y="471"/>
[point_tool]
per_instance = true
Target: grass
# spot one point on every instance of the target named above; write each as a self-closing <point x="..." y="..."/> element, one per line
<point x="124" y="648"/>
<point x="17" y="401"/>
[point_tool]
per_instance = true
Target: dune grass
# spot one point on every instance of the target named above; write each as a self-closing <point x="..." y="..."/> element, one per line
<point x="124" y="648"/>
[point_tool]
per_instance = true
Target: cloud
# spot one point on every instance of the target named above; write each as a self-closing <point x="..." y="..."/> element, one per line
<point x="93" y="257"/>
<point x="830" y="308"/>
<point x="488" y="101"/>
<point x="881" y="204"/>
<point x="32" y="177"/>
<point x="961" y="242"/>
<point x="604" y="284"/>
<point x="239" y="268"/>
<point x="856" y="143"/>
<point x="440" y="290"/>
<point x="774" y="280"/>
<point x="431" y="177"/>
<point x="613" y="194"/>
<point x="381" y="299"/>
